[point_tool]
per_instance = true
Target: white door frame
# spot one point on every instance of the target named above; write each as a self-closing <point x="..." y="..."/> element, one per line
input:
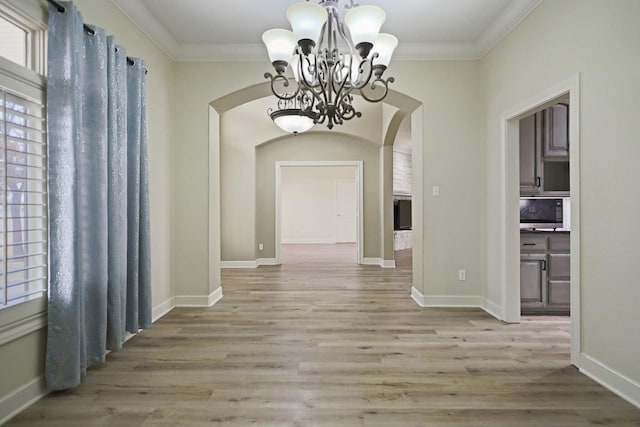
<point x="337" y="182"/>
<point x="510" y="218"/>
<point x="360" y="200"/>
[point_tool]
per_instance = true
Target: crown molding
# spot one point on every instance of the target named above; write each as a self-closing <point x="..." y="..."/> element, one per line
<point x="140" y="15"/>
<point x="509" y="19"/>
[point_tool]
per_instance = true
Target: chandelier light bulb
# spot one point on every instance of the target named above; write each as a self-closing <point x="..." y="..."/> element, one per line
<point x="280" y="46"/>
<point x="384" y="47"/>
<point x="307" y="20"/>
<point x="364" y="24"/>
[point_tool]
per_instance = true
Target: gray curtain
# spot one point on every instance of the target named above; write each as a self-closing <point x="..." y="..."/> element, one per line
<point x="99" y="261"/>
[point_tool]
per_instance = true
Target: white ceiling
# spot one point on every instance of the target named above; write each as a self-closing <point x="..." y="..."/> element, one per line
<point x="232" y="29"/>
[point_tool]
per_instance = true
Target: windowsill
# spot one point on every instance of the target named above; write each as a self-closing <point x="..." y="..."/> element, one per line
<point x="21" y="319"/>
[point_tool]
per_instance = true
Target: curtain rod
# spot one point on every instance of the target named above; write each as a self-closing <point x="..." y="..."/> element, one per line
<point x="61" y="9"/>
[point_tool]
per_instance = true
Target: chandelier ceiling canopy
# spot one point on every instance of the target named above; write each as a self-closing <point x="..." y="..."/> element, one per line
<point x="328" y="59"/>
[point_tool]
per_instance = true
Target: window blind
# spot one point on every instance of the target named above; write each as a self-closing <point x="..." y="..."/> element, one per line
<point x="23" y="198"/>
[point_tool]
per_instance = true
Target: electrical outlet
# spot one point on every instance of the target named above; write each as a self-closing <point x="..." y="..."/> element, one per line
<point x="260" y="246"/>
<point x="435" y="190"/>
<point x="462" y="274"/>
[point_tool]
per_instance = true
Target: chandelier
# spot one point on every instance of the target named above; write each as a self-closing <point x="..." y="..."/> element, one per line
<point x="329" y="59"/>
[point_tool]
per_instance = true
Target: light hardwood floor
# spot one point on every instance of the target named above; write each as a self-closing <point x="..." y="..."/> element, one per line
<point x="320" y="341"/>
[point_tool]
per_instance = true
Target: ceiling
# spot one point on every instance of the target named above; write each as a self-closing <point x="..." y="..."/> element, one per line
<point x="231" y="29"/>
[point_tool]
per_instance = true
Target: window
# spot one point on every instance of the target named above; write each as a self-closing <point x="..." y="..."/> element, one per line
<point x="13" y="42"/>
<point x="23" y="186"/>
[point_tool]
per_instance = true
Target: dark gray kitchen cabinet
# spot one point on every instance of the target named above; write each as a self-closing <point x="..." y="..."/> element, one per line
<point x="556" y="127"/>
<point x="533" y="277"/>
<point x="529" y="156"/>
<point x="544" y="152"/>
<point x="545" y="273"/>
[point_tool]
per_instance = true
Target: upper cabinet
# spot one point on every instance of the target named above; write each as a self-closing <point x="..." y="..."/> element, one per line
<point x="544" y="152"/>
<point x="556" y="128"/>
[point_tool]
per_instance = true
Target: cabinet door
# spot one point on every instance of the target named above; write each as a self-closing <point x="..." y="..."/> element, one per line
<point x="533" y="280"/>
<point x="529" y="161"/>
<point x="559" y="266"/>
<point x="559" y="295"/>
<point x="556" y="135"/>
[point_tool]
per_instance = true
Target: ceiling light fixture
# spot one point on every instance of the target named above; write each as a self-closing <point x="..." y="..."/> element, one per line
<point x="329" y="59"/>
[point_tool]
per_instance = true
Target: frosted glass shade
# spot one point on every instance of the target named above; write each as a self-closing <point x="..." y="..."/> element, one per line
<point x="307" y="20"/>
<point x="291" y="121"/>
<point x="280" y="44"/>
<point x="384" y="46"/>
<point x="364" y="23"/>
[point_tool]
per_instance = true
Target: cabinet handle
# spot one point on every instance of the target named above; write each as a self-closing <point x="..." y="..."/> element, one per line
<point x="544" y="265"/>
<point x="538" y="181"/>
<point x="529" y="244"/>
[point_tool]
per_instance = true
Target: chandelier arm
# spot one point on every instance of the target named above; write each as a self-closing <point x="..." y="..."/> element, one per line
<point x="368" y="68"/>
<point x="284" y="81"/>
<point x="385" y="84"/>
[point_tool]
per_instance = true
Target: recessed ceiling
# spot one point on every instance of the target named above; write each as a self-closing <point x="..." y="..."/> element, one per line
<point x="232" y="29"/>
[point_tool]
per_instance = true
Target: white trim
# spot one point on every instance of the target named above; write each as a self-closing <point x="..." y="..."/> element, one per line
<point x="198" y="300"/>
<point x="621" y="385"/>
<point x="509" y="19"/>
<point x="492" y="308"/>
<point x="162" y="309"/>
<point x="214" y="297"/>
<point x="21" y="398"/>
<point x="22" y="327"/>
<point x="388" y="263"/>
<point x="266" y="261"/>
<point x="359" y="164"/>
<point x="452" y="301"/>
<point x="509" y="259"/>
<point x="249" y="264"/>
<point x="384" y="263"/>
<point x="447" y="301"/>
<point x="144" y="20"/>
<point x="308" y="241"/>
<point x="238" y="264"/>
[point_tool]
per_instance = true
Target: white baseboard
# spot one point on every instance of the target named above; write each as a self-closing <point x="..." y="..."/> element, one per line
<point x="215" y="296"/>
<point x="446" y="300"/>
<point x="21" y="398"/>
<point x="388" y="263"/>
<point x="384" y="263"/>
<point x="453" y="301"/>
<point x="198" y="300"/>
<point x="492" y="308"/>
<point x="309" y="241"/>
<point x="609" y="378"/>
<point x="248" y="264"/>
<point x="162" y="309"/>
<point x="238" y="264"/>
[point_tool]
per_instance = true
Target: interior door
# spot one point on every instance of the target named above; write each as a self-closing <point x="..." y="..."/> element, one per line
<point x="346" y="211"/>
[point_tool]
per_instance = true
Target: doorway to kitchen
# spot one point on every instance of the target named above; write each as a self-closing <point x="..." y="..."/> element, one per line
<point x="510" y="278"/>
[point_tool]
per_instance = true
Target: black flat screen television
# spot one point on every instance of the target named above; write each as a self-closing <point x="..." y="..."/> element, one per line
<point x="402" y="215"/>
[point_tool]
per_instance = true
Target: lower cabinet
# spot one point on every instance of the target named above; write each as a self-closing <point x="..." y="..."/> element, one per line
<point x="545" y="281"/>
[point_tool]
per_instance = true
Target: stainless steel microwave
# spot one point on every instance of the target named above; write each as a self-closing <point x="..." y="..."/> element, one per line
<point x="545" y="213"/>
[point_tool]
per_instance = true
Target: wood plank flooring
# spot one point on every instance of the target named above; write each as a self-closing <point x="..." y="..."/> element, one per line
<point x="320" y="341"/>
